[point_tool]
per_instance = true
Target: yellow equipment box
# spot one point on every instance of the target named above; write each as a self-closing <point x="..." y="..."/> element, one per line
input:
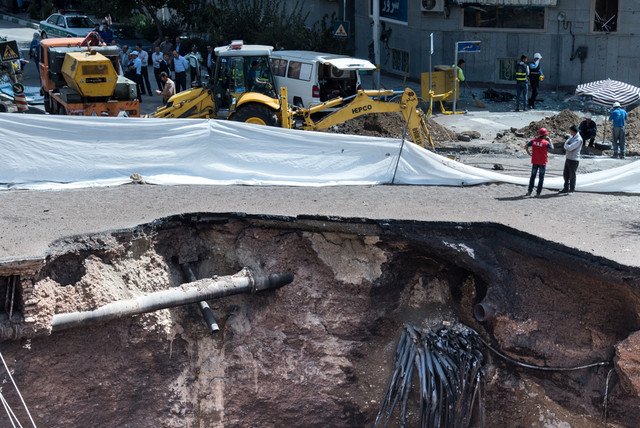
<point x="442" y="81"/>
<point x="89" y="73"/>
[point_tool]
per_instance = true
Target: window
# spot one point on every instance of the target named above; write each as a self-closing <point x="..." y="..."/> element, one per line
<point x="305" y="72"/>
<point x="279" y="67"/>
<point x="605" y="16"/>
<point x="507" y="69"/>
<point x="79" y="22"/>
<point x="528" y="18"/>
<point x="299" y="70"/>
<point x="400" y="60"/>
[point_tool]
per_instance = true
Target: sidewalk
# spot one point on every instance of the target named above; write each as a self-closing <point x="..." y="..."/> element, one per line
<point x="20" y="19"/>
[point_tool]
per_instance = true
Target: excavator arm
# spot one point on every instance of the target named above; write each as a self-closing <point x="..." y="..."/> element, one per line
<point x="193" y="103"/>
<point x="363" y="103"/>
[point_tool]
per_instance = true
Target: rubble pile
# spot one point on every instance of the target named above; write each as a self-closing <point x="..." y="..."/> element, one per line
<point x="558" y="126"/>
<point x="390" y="125"/>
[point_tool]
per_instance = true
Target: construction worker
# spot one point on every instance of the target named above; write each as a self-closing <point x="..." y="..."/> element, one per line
<point x="257" y="83"/>
<point x="535" y="77"/>
<point x="459" y="69"/>
<point x="537" y="149"/>
<point x="618" y="117"/>
<point x="588" y="130"/>
<point x="522" y="80"/>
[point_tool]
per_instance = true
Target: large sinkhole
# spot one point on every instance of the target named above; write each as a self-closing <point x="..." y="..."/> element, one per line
<point x="320" y="350"/>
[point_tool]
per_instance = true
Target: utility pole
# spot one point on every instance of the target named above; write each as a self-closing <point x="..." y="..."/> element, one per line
<point x="376" y="42"/>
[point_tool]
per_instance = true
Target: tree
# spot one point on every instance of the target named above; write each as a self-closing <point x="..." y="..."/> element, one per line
<point x="125" y="10"/>
<point x="254" y="21"/>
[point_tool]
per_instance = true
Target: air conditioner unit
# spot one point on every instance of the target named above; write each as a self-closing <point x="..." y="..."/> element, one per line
<point x="336" y="73"/>
<point x="432" y="5"/>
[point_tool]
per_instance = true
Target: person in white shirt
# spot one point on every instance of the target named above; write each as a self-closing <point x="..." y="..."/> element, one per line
<point x="180" y="66"/>
<point x="195" y="60"/>
<point x="135" y="68"/>
<point x="572" y="149"/>
<point x="143" y="56"/>
<point x="156" y="59"/>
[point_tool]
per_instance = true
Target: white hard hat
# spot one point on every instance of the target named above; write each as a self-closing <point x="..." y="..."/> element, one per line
<point x="537" y="55"/>
<point x="587" y="116"/>
<point x="616" y="104"/>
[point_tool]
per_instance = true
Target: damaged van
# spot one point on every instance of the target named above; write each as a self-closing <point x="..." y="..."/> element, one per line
<point x="315" y="77"/>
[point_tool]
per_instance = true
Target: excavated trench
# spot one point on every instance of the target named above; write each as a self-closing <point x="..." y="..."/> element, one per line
<point x="318" y="351"/>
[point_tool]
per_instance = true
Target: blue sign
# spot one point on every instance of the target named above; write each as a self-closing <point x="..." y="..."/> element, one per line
<point x="396" y="10"/>
<point x="468" y="46"/>
<point x="340" y="29"/>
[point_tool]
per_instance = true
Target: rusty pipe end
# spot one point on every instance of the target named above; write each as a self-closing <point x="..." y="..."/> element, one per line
<point x="483" y="312"/>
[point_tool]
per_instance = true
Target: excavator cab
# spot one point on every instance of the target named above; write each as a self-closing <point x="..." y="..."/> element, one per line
<point x="241" y="70"/>
<point x="232" y="93"/>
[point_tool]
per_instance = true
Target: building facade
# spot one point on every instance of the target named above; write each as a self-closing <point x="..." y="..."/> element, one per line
<point x="580" y="40"/>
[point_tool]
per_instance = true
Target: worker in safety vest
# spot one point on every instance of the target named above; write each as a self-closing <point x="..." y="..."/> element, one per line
<point x="522" y="81"/>
<point x="535" y="77"/>
<point x="459" y="69"/>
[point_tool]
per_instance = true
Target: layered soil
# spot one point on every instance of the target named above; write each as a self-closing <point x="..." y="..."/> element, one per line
<point x="319" y="351"/>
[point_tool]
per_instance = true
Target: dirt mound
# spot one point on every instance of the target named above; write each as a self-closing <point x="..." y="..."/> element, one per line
<point x="558" y="126"/>
<point x="389" y="125"/>
<point x="633" y="129"/>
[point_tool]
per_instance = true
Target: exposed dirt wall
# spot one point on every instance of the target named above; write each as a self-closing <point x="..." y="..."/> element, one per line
<point x="318" y="352"/>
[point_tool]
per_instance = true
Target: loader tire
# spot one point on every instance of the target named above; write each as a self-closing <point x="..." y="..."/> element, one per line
<point x="256" y="113"/>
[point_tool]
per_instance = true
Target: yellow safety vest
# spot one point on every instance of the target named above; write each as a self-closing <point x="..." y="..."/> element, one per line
<point x="521" y="73"/>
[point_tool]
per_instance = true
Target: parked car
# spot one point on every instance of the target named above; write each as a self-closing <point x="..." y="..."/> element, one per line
<point x="66" y="25"/>
<point x="128" y="35"/>
<point x="315" y="77"/>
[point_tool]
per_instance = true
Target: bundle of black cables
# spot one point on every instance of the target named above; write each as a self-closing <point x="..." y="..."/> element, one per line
<point x="448" y="364"/>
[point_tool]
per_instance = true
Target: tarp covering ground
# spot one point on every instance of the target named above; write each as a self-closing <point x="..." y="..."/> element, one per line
<point x="54" y="152"/>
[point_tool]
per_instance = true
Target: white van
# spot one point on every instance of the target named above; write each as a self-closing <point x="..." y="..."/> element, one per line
<point x="314" y="77"/>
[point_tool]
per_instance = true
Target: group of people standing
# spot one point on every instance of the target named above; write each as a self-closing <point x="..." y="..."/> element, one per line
<point x="539" y="147"/>
<point x="528" y="74"/>
<point x="167" y="60"/>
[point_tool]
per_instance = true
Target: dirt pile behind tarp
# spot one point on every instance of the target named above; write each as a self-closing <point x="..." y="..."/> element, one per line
<point x="632" y="131"/>
<point x="390" y="125"/>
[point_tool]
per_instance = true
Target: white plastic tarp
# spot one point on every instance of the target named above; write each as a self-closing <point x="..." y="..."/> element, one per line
<point x="49" y="152"/>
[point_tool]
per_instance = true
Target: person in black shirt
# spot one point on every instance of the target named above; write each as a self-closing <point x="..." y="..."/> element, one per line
<point x="588" y="130"/>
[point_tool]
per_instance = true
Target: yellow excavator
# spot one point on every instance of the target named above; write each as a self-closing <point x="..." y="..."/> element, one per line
<point x="243" y="89"/>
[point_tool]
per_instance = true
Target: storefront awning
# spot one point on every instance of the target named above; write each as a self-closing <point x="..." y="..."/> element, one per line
<point x="511" y="2"/>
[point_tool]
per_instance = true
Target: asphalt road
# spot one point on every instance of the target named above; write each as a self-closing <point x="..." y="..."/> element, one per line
<point x="605" y="225"/>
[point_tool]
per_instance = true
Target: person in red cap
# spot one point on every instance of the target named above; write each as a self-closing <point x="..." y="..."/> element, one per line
<point x="538" y="149"/>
